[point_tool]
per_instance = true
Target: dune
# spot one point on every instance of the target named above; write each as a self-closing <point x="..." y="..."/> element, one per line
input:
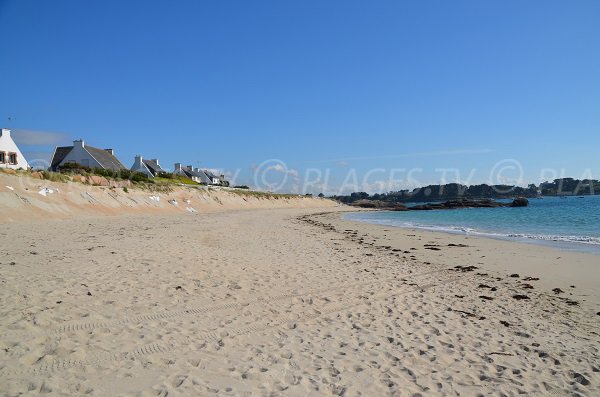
<point x="23" y="198"/>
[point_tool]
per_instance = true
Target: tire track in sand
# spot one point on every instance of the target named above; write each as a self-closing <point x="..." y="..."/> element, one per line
<point x="179" y="342"/>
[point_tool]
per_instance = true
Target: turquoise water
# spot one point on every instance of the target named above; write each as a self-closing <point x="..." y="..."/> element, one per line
<point x="568" y="223"/>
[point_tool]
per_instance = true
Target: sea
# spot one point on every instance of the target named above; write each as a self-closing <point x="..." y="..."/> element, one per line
<point x="568" y="222"/>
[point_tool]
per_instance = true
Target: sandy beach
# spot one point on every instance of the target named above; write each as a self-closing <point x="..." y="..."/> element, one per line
<point x="289" y="302"/>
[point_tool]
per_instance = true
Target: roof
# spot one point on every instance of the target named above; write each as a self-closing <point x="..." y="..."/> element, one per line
<point x="190" y="172"/>
<point x="198" y="174"/>
<point x="153" y="165"/>
<point x="210" y="174"/>
<point x="106" y="160"/>
<point x="59" y="155"/>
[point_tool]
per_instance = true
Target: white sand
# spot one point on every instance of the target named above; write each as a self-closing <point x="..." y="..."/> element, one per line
<point x="263" y="303"/>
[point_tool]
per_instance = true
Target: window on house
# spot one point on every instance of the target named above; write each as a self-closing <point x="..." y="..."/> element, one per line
<point x="12" y="158"/>
<point x="2" y="157"/>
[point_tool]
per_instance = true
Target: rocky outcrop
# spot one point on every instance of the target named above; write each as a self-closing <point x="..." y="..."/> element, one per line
<point x="380" y="205"/>
<point x="447" y="205"/>
<point x="97" y="180"/>
<point x="469" y="203"/>
<point x="520" y="202"/>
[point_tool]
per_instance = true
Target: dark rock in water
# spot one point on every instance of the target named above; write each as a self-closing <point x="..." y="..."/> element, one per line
<point x="450" y="204"/>
<point x="505" y="323"/>
<point x="520" y="202"/>
<point x="520" y="297"/>
<point x="380" y="205"/>
<point x="557" y="291"/>
<point x="469" y="203"/>
<point x="514" y="275"/>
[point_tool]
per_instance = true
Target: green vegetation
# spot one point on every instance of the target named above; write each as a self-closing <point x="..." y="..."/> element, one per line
<point x="570" y="187"/>
<point x="124" y="174"/>
<point x="177" y="179"/>
<point x="264" y="195"/>
<point x="138" y="178"/>
<point x="55" y="176"/>
<point x="451" y="191"/>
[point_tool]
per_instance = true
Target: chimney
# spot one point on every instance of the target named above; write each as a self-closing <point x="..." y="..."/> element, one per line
<point x="189" y="167"/>
<point x="156" y="161"/>
<point x="138" y="160"/>
<point x="110" y="151"/>
<point x="79" y="143"/>
<point x="177" y="167"/>
<point x="197" y="170"/>
<point x="222" y="177"/>
<point x="5" y="132"/>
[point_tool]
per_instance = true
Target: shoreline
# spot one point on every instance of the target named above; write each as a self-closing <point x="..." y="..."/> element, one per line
<point x="289" y="302"/>
<point x="563" y="245"/>
<point x="561" y="268"/>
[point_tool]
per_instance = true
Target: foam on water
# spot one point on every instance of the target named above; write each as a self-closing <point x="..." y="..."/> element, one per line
<point x="569" y="224"/>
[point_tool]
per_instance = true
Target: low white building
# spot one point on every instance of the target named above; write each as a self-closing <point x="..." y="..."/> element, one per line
<point x="150" y="168"/>
<point x="10" y="155"/>
<point x="85" y="155"/>
<point x="195" y="175"/>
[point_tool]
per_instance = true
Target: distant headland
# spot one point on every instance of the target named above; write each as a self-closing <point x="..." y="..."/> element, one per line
<point x="453" y="191"/>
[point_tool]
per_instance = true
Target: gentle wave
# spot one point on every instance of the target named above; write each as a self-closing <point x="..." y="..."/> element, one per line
<point x="572" y="239"/>
<point x="466" y="230"/>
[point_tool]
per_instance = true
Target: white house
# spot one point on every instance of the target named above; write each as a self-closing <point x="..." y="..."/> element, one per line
<point x="215" y="180"/>
<point x="10" y="155"/>
<point x="149" y="167"/>
<point x="85" y="155"/>
<point x="195" y="174"/>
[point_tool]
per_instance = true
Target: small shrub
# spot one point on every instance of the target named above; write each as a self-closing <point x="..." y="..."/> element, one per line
<point x="138" y="177"/>
<point x="55" y="176"/>
<point x="126" y="190"/>
<point x="74" y="168"/>
<point x="166" y="175"/>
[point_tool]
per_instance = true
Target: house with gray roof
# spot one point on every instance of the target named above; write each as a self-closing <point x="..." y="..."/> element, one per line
<point x="195" y="174"/>
<point x="85" y="155"/>
<point x="214" y="179"/>
<point x="150" y="168"/>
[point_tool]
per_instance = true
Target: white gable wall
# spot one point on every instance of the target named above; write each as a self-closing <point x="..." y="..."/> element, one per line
<point x="81" y="156"/>
<point x="7" y="145"/>
<point x="139" y="166"/>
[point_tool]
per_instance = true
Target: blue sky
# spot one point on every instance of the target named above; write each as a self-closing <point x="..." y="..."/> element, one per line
<point x="329" y="88"/>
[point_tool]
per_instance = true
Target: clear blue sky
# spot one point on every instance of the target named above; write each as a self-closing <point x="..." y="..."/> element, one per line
<point x="332" y="85"/>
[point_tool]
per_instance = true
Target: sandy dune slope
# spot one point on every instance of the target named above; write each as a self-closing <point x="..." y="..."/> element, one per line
<point x="28" y="199"/>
